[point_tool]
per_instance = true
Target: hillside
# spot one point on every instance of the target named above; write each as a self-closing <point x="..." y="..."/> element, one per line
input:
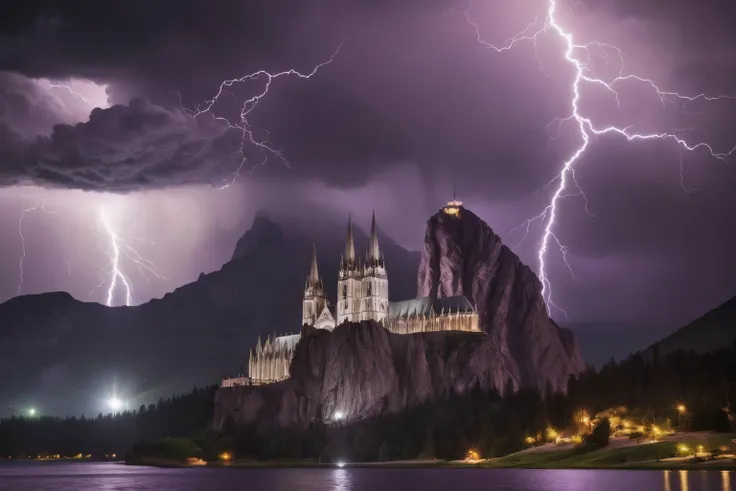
<point x="716" y="329"/>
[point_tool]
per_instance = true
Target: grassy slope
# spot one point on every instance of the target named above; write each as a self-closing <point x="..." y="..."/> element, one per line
<point x="643" y="456"/>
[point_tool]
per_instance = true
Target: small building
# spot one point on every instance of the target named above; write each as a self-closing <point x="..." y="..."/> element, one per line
<point x="426" y="315"/>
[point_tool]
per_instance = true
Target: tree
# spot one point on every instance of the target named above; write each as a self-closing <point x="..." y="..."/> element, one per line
<point x="384" y="452"/>
<point x="600" y="435"/>
<point x="428" y="451"/>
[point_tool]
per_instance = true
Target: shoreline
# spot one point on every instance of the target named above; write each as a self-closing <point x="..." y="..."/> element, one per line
<point x="439" y="464"/>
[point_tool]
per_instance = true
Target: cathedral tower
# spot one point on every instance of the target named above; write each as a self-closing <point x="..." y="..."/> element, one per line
<point x="314" y="294"/>
<point x="374" y="298"/>
<point x="349" y="282"/>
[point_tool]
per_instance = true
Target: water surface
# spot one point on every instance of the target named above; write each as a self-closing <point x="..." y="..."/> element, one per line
<point x="58" y="476"/>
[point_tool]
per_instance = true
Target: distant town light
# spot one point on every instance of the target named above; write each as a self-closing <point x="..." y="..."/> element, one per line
<point x="341" y="464"/>
<point x="225" y="456"/>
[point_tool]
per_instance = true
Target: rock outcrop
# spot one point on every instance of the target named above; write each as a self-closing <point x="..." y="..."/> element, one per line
<point x="462" y="256"/>
<point x="362" y="370"/>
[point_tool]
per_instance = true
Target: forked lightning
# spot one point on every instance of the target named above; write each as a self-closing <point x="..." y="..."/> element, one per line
<point x="578" y="56"/>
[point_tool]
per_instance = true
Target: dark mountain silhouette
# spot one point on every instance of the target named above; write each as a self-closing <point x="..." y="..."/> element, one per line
<point x="715" y="329"/>
<point x="65" y="356"/>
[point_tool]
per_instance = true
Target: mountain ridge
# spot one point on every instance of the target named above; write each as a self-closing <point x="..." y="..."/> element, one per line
<point x="63" y="355"/>
<point x="713" y="330"/>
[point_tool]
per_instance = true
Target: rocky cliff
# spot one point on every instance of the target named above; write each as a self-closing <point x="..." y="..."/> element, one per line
<point x="361" y="370"/>
<point x="462" y="256"/>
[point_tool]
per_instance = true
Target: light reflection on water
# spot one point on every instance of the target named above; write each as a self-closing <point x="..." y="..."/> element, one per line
<point x="44" y="476"/>
<point x="709" y="480"/>
<point x="683" y="481"/>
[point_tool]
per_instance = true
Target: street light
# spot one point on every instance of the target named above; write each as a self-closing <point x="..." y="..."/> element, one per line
<point x="681" y="411"/>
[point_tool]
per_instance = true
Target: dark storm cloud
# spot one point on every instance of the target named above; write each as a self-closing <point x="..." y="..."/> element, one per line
<point x="122" y="148"/>
<point x="411" y="83"/>
<point x="399" y="90"/>
<point x="29" y="109"/>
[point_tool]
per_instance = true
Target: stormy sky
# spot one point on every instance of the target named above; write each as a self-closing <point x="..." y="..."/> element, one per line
<point x="97" y="127"/>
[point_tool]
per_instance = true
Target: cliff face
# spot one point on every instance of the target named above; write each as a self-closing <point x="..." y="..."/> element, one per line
<point x="462" y="256"/>
<point x="362" y="370"/>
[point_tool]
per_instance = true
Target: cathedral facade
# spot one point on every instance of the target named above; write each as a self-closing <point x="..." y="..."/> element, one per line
<point x="362" y="295"/>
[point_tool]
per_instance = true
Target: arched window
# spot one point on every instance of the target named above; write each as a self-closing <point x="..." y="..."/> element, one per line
<point x="345" y="291"/>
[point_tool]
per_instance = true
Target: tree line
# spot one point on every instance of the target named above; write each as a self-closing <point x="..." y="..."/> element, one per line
<point x="652" y="388"/>
<point x="182" y="415"/>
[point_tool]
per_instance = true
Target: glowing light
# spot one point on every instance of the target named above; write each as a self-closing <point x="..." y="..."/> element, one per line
<point x="91" y="93"/>
<point x="577" y="56"/>
<point x="263" y="146"/>
<point x="339" y="415"/>
<point x="32" y="411"/>
<point x="115" y="403"/>
<point x="472" y="456"/>
<point x="340" y="464"/>
<point x="681" y="409"/>
<point x="225" y="456"/>
<point x="453" y="208"/>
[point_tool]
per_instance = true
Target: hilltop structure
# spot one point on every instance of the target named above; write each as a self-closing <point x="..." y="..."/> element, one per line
<point x="362" y="295"/>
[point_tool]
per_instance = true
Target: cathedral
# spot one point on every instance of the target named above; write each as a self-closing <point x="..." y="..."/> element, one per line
<point x="362" y="295"/>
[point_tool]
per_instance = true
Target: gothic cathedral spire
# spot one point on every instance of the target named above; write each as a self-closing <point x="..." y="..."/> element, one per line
<point x="350" y="244"/>
<point x="313" y="278"/>
<point x="374" y="253"/>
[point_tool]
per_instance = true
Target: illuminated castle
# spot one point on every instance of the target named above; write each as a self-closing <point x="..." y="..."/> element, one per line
<point x="362" y="295"/>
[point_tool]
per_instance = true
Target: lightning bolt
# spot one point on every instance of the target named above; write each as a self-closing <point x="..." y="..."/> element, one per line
<point x="116" y="273"/>
<point x="38" y="206"/>
<point x="264" y="146"/>
<point x="69" y="89"/>
<point x="121" y="250"/>
<point x="585" y="75"/>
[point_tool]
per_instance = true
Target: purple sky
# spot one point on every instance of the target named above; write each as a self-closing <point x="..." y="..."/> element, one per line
<point x="410" y="107"/>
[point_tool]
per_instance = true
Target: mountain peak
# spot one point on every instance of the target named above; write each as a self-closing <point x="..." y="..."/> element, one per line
<point x="463" y="256"/>
<point x="264" y="232"/>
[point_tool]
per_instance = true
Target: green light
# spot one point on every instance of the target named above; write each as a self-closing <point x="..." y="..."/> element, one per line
<point x="32" y="411"/>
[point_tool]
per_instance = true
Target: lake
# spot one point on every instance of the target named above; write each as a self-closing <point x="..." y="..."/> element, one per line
<point x="57" y="476"/>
